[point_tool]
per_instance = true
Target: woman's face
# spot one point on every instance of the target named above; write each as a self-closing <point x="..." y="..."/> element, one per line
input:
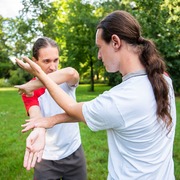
<point x="106" y="53"/>
<point x="48" y="59"/>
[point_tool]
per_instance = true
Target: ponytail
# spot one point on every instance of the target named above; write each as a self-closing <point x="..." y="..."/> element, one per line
<point x="127" y="28"/>
<point x="155" y="68"/>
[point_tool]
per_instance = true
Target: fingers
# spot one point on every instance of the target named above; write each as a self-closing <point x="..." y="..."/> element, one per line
<point x="34" y="148"/>
<point x="34" y="160"/>
<point x="31" y="125"/>
<point x="30" y="62"/>
<point x="20" y="91"/>
<point x="27" y="60"/>
<point x="26" y="157"/>
<point x="30" y="66"/>
<point x="23" y="65"/>
<point x="27" y="127"/>
<point x="34" y="66"/>
<point x="17" y="86"/>
<point x="23" y="92"/>
<point x="20" y="63"/>
<point x="31" y="158"/>
<point x="40" y="156"/>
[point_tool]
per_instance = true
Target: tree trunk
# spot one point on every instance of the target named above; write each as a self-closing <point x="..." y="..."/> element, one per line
<point x="92" y="76"/>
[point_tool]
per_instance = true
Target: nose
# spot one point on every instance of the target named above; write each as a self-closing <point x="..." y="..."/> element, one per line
<point x="53" y="66"/>
<point x="99" y="55"/>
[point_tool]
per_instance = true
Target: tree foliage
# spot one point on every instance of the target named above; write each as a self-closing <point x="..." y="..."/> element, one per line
<point x="72" y="24"/>
<point x="160" y="22"/>
<point x="5" y="64"/>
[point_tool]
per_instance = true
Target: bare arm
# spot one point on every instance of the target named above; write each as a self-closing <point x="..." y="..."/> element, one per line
<point x="70" y="106"/>
<point x="34" y="111"/>
<point x="35" y="142"/>
<point x="48" y="122"/>
<point x="68" y="75"/>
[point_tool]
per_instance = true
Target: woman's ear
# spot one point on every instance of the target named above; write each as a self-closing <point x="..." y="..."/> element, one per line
<point x="34" y="59"/>
<point x="116" y="42"/>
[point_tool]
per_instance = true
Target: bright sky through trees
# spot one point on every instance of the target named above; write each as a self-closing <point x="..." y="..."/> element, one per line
<point x="10" y="8"/>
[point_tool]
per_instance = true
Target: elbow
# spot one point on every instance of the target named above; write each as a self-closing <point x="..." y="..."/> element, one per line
<point x="73" y="75"/>
<point x="73" y="72"/>
<point x="75" y="111"/>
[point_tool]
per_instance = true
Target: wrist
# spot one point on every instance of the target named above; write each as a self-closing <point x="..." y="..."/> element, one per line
<point x="41" y="130"/>
<point x="53" y="120"/>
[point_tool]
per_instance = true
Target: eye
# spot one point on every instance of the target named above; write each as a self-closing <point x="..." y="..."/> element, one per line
<point x="56" y="60"/>
<point x="46" y="61"/>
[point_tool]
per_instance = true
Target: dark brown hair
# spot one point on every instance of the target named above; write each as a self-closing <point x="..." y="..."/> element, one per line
<point x="127" y="28"/>
<point x="42" y="42"/>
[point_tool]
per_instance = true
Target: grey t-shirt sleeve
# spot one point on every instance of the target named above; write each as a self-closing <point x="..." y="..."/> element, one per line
<point x="101" y="113"/>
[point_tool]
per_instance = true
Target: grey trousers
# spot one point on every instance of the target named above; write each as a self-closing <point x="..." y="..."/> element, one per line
<point x="72" y="167"/>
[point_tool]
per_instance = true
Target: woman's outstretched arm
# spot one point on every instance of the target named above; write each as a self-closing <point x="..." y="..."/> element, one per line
<point x="70" y="106"/>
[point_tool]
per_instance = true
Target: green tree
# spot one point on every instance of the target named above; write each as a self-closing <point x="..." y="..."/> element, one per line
<point x="79" y="31"/>
<point x="160" y="22"/>
<point x="75" y="32"/>
<point x="5" y="63"/>
<point x="72" y="24"/>
<point x="20" y="34"/>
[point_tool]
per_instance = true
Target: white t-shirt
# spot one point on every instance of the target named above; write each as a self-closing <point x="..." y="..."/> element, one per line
<point x="62" y="139"/>
<point x="139" y="147"/>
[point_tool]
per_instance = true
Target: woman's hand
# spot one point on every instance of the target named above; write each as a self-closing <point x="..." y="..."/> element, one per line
<point x="30" y="66"/>
<point x="35" y="143"/>
<point x="37" y="123"/>
<point x="25" y="89"/>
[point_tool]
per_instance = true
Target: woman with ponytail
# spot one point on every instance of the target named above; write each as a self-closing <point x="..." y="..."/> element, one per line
<point x="139" y="114"/>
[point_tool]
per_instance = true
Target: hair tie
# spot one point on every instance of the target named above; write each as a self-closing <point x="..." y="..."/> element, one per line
<point x="140" y="40"/>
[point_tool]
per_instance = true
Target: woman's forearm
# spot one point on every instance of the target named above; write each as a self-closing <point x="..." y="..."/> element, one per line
<point x="62" y="118"/>
<point x="48" y="122"/>
<point x="70" y="106"/>
<point x="68" y="75"/>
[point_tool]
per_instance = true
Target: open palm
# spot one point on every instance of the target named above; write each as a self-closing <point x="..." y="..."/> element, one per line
<point x="30" y="66"/>
<point x="34" y="148"/>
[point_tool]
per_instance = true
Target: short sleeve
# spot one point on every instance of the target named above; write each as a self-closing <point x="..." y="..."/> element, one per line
<point x="101" y="113"/>
<point x="32" y="101"/>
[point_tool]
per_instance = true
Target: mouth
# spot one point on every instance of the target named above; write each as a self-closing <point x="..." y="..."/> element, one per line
<point x="49" y="72"/>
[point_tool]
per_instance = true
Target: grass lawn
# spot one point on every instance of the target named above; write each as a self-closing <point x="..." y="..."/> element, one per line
<point x="12" y="142"/>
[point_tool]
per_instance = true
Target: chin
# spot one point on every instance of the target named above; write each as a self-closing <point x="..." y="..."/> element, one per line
<point x="111" y="71"/>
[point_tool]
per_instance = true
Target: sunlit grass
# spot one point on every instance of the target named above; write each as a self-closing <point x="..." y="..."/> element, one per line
<point x="8" y="89"/>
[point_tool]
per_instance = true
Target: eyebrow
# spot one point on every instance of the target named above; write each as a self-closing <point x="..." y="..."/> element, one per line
<point x="46" y="59"/>
<point x="50" y="59"/>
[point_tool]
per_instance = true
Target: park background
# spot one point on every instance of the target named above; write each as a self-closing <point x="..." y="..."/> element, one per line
<point x="72" y="24"/>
